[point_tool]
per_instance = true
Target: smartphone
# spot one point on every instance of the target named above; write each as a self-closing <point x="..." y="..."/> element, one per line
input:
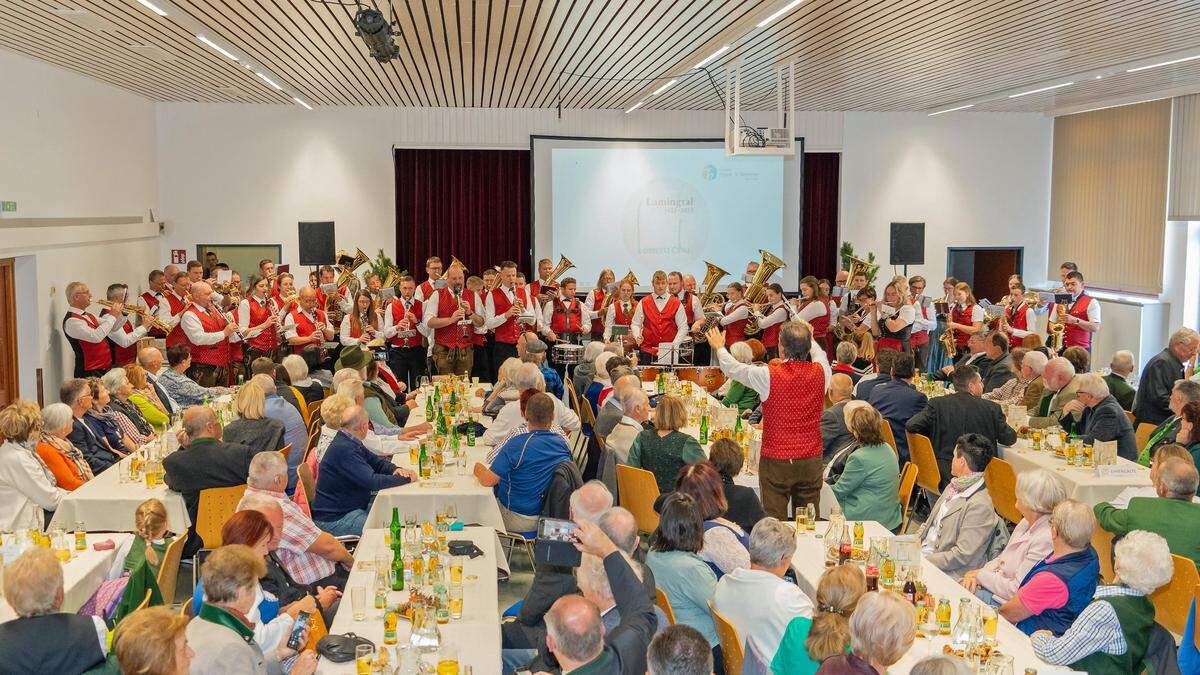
<point x="555" y="543"/>
<point x="296" y="639"/>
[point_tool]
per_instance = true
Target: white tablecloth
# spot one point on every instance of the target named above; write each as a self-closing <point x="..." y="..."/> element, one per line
<point x="476" y="635"/>
<point x="809" y="562"/>
<point x="106" y="504"/>
<point x="1082" y="483"/>
<point x="82" y="575"/>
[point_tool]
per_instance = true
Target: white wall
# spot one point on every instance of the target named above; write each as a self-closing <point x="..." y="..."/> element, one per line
<point x="974" y="179"/>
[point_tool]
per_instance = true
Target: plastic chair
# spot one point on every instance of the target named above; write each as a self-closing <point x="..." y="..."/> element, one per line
<point x="664" y="603"/>
<point x="1102" y="541"/>
<point x="1142" y="434"/>
<point x="731" y="645"/>
<point x="920" y="448"/>
<point x="1172" y="602"/>
<point x="637" y="490"/>
<point x="216" y="506"/>
<point x="168" y="569"/>
<point x="889" y="437"/>
<point x="908" y="481"/>
<point x="304" y="414"/>
<point x="523" y="539"/>
<point x="1001" y="483"/>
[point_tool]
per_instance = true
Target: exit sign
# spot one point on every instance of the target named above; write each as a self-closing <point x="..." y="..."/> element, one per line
<point x="8" y="207"/>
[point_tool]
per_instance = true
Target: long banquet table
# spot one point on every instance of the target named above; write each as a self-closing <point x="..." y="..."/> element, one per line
<point x="82" y="574"/>
<point x="1082" y="483"/>
<point x="106" y="503"/>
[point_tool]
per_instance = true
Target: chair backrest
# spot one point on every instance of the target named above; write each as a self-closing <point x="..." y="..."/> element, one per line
<point x="638" y="489"/>
<point x="168" y="569"/>
<point x="755" y="662"/>
<point x="889" y="437"/>
<point x="304" y="413"/>
<point x="216" y="506"/>
<point x="305" y="474"/>
<point x="1171" y="602"/>
<point x="731" y="645"/>
<point x="1142" y="434"/>
<point x="311" y="445"/>
<point x="920" y="448"/>
<point x="1129" y="414"/>
<point x="1001" y="483"/>
<point x="908" y="480"/>
<point x="572" y="397"/>
<point x="286" y="451"/>
<point x="664" y="603"/>
<point x="587" y="416"/>
<point x="1102" y="541"/>
<point x="145" y="601"/>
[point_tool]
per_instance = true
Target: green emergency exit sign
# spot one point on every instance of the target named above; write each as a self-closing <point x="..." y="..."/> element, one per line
<point x="8" y="207"/>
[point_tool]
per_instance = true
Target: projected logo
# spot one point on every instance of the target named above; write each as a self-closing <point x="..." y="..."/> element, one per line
<point x="666" y="224"/>
<point x="710" y="172"/>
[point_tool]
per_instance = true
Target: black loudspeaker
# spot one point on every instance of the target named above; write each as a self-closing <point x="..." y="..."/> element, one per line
<point x="316" y="243"/>
<point x="908" y="244"/>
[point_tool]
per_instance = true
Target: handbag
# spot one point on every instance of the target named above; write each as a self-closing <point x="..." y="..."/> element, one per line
<point x="837" y="463"/>
<point x="340" y="648"/>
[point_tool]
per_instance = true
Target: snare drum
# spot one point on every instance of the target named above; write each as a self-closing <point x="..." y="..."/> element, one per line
<point x="568" y="354"/>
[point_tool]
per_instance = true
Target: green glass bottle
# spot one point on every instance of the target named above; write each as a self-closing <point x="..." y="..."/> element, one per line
<point x="394" y="528"/>
<point x="453" y="402"/>
<point x="704" y="429"/>
<point x="454" y="438"/>
<point x="397" y="569"/>
<point x="423" y="468"/>
<point x="470" y="431"/>
<point x="661" y="383"/>
<point x="437" y="395"/>
<point x="428" y="408"/>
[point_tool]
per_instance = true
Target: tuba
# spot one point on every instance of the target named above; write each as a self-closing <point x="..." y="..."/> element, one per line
<point x="756" y="290"/>
<point x="858" y="265"/>
<point x="349" y="266"/>
<point x="712" y="277"/>
<point x="496" y="280"/>
<point x="564" y="264"/>
<point x="392" y="278"/>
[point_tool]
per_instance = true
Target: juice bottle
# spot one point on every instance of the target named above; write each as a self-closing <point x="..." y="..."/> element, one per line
<point x="390" y="619"/>
<point x="943" y="616"/>
<point x="858" y="534"/>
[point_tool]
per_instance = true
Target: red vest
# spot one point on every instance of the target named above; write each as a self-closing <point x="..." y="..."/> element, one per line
<point x="792" y="412"/>
<point x="535" y="288"/>
<point x="820" y="324"/>
<point x="598" y="322"/>
<point x="426" y="289"/>
<point x="177" y="305"/>
<point x="736" y="331"/>
<point x="397" y="311"/>
<point x="268" y="339"/>
<point x="567" y="318"/>
<point x="962" y="316"/>
<point x="305" y="326"/>
<point x="770" y="334"/>
<point x="687" y="307"/>
<point x="1076" y="336"/>
<point x="123" y="356"/>
<point x="215" y="354"/>
<point x="151" y="303"/>
<point x="94" y="355"/>
<point x="451" y="336"/>
<point x="620" y="318"/>
<point x="919" y="337"/>
<point x="658" y="327"/>
<point x="1016" y="317"/>
<point x="508" y="331"/>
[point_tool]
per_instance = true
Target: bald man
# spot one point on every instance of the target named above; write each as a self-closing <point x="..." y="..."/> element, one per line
<point x="203" y="461"/>
<point x="834" y="434"/>
<point x="207" y="331"/>
<point x="306" y="328"/>
<point x="611" y="412"/>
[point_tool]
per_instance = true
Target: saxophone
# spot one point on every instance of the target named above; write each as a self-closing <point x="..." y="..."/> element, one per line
<point x="1055" y="330"/>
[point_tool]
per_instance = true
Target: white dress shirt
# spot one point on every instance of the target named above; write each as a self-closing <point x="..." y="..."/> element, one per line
<point x="920" y="323"/>
<point x="164" y="310"/>
<point x="585" y="314"/>
<point x="243" y="316"/>
<point x="740" y="311"/>
<point x="344" y="331"/>
<point x="510" y="416"/>
<point x="79" y="329"/>
<point x="760" y="606"/>
<point x="777" y="315"/>
<point x="289" y="324"/>
<point x="123" y="339"/>
<point x="1030" y="322"/>
<point x="758" y="378"/>
<point x="907" y="314"/>
<point x="610" y="317"/>
<point x="813" y="310"/>
<point x="660" y="302"/>
<point x="492" y="319"/>
<point x="697" y="309"/>
<point x="391" y="326"/>
<point x="194" y="330"/>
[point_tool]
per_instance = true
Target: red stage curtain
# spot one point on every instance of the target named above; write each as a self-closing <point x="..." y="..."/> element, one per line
<point x="819" y="242"/>
<point x="473" y="204"/>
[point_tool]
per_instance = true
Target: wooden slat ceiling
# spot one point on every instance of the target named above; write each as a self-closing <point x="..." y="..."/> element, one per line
<point x="884" y="55"/>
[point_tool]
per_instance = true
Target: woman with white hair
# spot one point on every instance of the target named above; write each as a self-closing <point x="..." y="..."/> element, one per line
<point x="504" y="391"/>
<point x="739" y="395"/>
<point x="583" y="374"/>
<point x="882" y="630"/>
<point x="600" y="381"/>
<point x="297" y="371"/>
<point x="1111" y="634"/>
<point x="65" y="461"/>
<point x="526" y="376"/>
<point x="27" y="487"/>
<point x="1038" y="493"/>
<point x="1057" y="589"/>
<point x="129" y="418"/>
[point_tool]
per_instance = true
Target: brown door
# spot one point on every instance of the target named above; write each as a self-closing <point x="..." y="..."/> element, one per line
<point x="8" y="334"/>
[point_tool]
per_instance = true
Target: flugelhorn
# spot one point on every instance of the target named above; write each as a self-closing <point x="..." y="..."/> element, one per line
<point x="454" y="262"/>
<point x="348" y="268"/>
<point x="564" y="264"/>
<point x="610" y="296"/>
<point x="712" y="277"/>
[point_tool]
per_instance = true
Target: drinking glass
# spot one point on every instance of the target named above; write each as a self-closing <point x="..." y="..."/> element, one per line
<point x="990" y="619"/>
<point x="447" y="660"/>
<point x="363" y="656"/>
<point x="456" y="569"/>
<point x="810" y="516"/>
<point x="999" y="664"/>
<point x="456" y="601"/>
<point x="358" y="602"/>
<point x="451" y="513"/>
<point x="80" y="536"/>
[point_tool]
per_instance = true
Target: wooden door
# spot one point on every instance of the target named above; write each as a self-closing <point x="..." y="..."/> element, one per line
<point x="8" y="334"/>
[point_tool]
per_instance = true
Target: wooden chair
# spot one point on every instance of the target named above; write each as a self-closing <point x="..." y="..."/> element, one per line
<point x="664" y="603"/>
<point x="285" y="451"/>
<point x="1001" y="483"/>
<point x="1142" y="434"/>
<point x="1171" y="602"/>
<point x="305" y="474"/>
<point x="908" y="481"/>
<point x="732" y="652"/>
<point x="1129" y="414"/>
<point x="889" y="437"/>
<point x="587" y="416"/>
<point x="216" y="506"/>
<point x="638" y="489"/>
<point x="311" y="444"/>
<point x="572" y="397"/>
<point x="920" y="448"/>
<point x="1102" y="541"/>
<point x="1196" y="600"/>
<point x="304" y="413"/>
<point x="168" y="569"/>
<point x="145" y="601"/>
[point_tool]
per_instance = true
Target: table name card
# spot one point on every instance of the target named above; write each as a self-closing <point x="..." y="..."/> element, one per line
<point x="1122" y="469"/>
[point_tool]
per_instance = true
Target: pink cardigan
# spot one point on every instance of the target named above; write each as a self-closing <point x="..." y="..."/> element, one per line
<point x="1029" y="545"/>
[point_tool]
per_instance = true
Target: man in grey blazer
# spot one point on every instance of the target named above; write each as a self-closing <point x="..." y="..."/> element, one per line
<point x="834" y="434"/>
<point x="611" y="413"/>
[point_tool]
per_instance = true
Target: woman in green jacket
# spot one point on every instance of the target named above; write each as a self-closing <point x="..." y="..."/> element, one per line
<point x="145" y="398"/>
<point x="869" y="487"/>
<point x="664" y="450"/>
<point x="739" y="395"/>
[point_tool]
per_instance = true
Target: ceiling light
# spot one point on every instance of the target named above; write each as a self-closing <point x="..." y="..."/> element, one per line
<point x="216" y="47"/>
<point x="306" y="106"/>
<point x="663" y="88"/>
<point x="152" y="7"/>
<point x="635" y="107"/>
<point x="1164" y="63"/>
<point x="961" y="107"/>
<point x="784" y="10"/>
<point x="1099" y="77"/>
<point x="1038" y="91"/>
<point x="376" y="32"/>
<point x="712" y="56"/>
<point x="268" y="80"/>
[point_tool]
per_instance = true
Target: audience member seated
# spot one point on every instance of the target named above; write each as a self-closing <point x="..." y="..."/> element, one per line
<point x="1111" y="634"/>
<point x="869" y="485"/>
<point x="1171" y="514"/>
<point x="898" y="400"/>
<point x="535" y="353"/>
<point x="278" y="374"/>
<point x="1038" y="493"/>
<point x="65" y="461"/>
<point x="612" y="411"/>
<point x="757" y="600"/>
<point x="203" y="461"/>
<point x="182" y="389"/>
<point x="527" y="376"/>
<point x="1189" y="429"/>
<point x="1080" y="359"/>
<point x="678" y="569"/>
<point x="251" y="428"/>
<point x="1101" y="417"/>
<point x="1062" y="387"/>
<point x="975" y="356"/>
<point x="726" y="546"/>
<point x="27" y="487"/>
<point x="309" y="555"/>
<point x="947" y="418"/>
<point x="882" y="630"/>
<point x="153" y="641"/>
<point x="883" y="374"/>
<point x="940" y="665"/>
<point x="845" y="355"/>
<point x="600" y="381"/>
<point x="1165" y="452"/>
<point x="834" y="434"/>
<point x="1034" y="367"/>
<point x="221" y="634"/>
<point x="1012" y="392"/>
<point x="349" y="477"/>
<point x="679" y="650"/>
<point x="664" y="450"/>
<point x="78" y="395"/>
<point x="963" y="530"/>
<point x="808" y="642"/>
<point x="151" y="361"/>
<point x="147" y="399"/>
<point x="42" y="638"/>
<point x="504" y="390"/>
<point x="739" y="395"/>
<point x="297" y="370"/>
<point x="585" y="371"/>
<point x="635" y="407"/>
<point x="744" y="506"/>
<point x="102" y="421"/>
<point x="136" y="429"/>
<point x="1120" y="369"/>
<point x="294" y="432"/>
<point x="999" y="370"/>
<point x="149" y="543"/>
<point x="1184" y="392"/>
<point x="521" y="471"/>
<point x="1057" y="589"/>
